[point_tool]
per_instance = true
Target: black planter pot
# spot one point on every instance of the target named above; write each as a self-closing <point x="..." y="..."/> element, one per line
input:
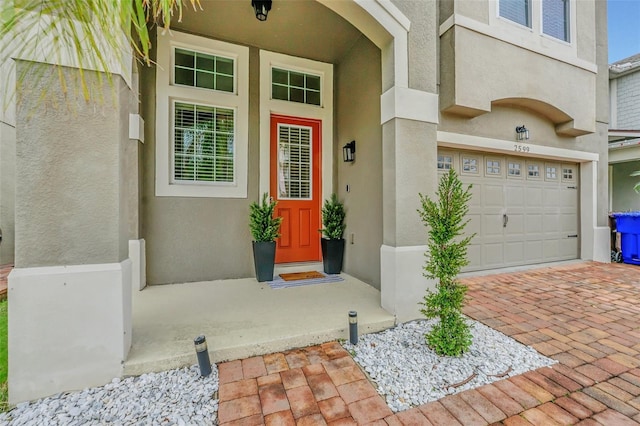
<point x="264" y="257"/>
<point x="332" y="253"/>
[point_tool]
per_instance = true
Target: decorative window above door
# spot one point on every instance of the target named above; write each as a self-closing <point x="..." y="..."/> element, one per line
<point x="295" y="86"/>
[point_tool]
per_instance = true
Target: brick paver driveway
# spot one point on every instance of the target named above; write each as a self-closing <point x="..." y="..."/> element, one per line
<point x="586" y="316"/>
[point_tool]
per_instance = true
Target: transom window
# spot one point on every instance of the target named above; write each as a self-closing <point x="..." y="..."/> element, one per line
<point x="445" y="162"/>
<point x="294" y="162"/>
<point x="533" y="171"/>
<point x="203" y="143"/>
<point x="551" y="173"/>
<point x="518" y="11"/>
<point x="514" y="169"/>
<point x="469" y="165"/>
<point x="555" y="18"/>
<point x="198" y="69"/>
<point x="295" y="86"/>
<point x="493" y="167"/>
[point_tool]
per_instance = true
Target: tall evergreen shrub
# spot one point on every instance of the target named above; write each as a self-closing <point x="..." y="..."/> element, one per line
<point x="446" y="256"/>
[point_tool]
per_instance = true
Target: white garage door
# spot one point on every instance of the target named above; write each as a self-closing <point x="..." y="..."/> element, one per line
<point x="523" y="210"/>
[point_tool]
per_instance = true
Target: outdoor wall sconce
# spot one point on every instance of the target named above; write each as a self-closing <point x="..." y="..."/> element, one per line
<point x="522" y="133"/>
<point x="349" y="152"/>
<point x="262" y="8"/>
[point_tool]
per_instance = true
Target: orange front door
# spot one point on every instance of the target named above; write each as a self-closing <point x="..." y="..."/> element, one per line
<point x="295" y="184"/>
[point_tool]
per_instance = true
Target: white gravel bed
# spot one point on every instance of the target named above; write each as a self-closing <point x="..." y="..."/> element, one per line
<point x="407" y="373"/>
<point x="174" y="397"/>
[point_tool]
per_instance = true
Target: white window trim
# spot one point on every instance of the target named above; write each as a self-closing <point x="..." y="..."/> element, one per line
<point x="269" y="106"/>
<point x="167" y="93"/>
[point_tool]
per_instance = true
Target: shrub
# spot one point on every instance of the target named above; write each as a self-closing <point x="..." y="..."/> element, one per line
<point x="446" y="256"/>
<point x="262" y="223"/>
<point x="333" y="215"/>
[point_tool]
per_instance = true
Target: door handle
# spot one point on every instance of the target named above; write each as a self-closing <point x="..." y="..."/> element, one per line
<point x="505" y="220"/>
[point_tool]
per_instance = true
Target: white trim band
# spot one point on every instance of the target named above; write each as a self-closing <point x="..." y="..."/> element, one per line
<point x="401" y="102"/>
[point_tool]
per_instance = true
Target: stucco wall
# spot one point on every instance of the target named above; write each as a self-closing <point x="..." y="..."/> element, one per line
<point x="624" y="198"/>
<point x="357" y="117"/>
<point x="196" y="239"/>
<point x="7" y="191"/>
<point x="69" y="170"/>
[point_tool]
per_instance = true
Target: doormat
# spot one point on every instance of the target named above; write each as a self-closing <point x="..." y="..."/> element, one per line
<point x="294" y="276"/>
<point x="279" y="283"/>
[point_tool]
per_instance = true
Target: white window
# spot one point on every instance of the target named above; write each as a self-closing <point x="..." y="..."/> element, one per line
<point x="445" y="162"/>
<point x="493" y="167"/>
<point x="533" y="171"/>
<point x="470" y="165"/>
<point x="552" y="173"/>
<point x="202" y="113"/>
<point x="555" y="18"/>
<point x="514" y="169"/>
<point x="518" y="11"/>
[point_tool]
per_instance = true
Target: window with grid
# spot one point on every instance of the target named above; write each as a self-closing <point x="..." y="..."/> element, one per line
<point x="469" y="165"/>
<point x="295" y="86"/>
<point x="445" y="162"/>
<point x="551" y="173"/>
<point x="518" y="11"/>
<point x="567" y="173"/>
<point x="514" y="169"/>
<point x="203" y="143"/>
<point x="533" y="171"/>
<point x="493" y="167"/>
<point x="294" y="162"/>
<point x="196" y="69"/>
<point x="555" y="18"/>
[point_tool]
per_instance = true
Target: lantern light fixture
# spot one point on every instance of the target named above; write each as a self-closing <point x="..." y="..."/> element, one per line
<point x="349" y="152"/>
<point x="262" y="8"/>
<point x="522" y="133"/>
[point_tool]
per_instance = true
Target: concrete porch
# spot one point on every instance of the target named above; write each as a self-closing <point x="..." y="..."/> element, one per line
<point x="242" y="318"/>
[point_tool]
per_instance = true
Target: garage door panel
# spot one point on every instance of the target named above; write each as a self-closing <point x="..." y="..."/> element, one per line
<point x="569" y="223"/>
<point x="534" y="197"/>
<point x="492" y="225"/>
<point x="550" y="223"/>
<point x="550" y="249"/>
<point x="514" y="196"/>
<point x="474" y="254"/>
<point x="533" y="251"/>
<point x="493" y="196"/>
<point x="514" y="252"/>
<point x="493" y="254"/>
<point x="551" y="197"/>
<point x="567" y="248"/>
<point x="516" y="225"/>
<point x="534" y="223"/>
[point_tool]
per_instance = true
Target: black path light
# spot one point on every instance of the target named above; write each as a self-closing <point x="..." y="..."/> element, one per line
<point x="203" y="355"/>
<point x="353" y="327"/>
<point x="262" y="8"/>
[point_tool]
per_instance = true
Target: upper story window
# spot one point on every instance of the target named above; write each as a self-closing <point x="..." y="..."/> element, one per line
<point x="198" y="69"/>
<point x="518" y="11"/>
<point x="555" y="18"/>
<point x="295" y="86"/>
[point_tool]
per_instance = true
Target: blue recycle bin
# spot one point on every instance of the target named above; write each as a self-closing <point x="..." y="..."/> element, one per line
<point x="628" y="225"/>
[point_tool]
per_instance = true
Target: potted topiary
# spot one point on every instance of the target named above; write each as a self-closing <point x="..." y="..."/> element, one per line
<point x="333" y="228"/>
<point x="265" y="228"/>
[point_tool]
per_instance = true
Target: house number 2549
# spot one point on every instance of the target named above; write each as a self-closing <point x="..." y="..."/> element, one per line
<point x="520" y="148"/>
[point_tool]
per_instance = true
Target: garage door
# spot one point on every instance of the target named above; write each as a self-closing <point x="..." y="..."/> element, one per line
<point x="523" y="210"/>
